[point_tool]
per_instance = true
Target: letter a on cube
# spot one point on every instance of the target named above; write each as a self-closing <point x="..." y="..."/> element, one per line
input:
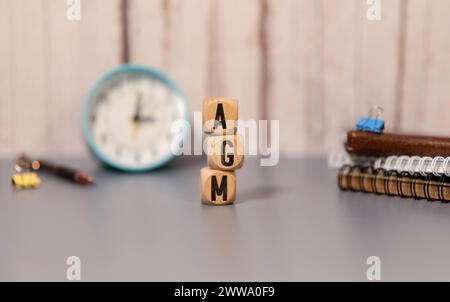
<point x="220" y="116"/>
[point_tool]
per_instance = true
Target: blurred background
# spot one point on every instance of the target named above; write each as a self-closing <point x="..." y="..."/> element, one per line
<point x="316" y="65"/>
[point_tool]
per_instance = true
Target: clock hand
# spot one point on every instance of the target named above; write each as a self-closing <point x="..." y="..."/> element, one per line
<point x="136" y="117"/>
<point x="134" y="130"/>
<point x="149" y="119"/>
<point x="137" y="112"/>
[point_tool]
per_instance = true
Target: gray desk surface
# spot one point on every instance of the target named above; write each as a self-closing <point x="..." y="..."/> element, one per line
<point x="290" y="223"/>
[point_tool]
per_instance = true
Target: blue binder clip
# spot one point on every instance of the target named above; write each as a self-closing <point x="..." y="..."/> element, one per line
<point x="373" y="123"/>
<point x="361" y="122"/>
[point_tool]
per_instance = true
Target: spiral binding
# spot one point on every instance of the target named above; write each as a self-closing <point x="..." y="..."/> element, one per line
<point x="392" y="182"/>
<point x="436" y="166"/>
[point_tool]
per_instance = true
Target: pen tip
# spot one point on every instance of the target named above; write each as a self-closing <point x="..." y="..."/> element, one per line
<point x="84" y="178"/>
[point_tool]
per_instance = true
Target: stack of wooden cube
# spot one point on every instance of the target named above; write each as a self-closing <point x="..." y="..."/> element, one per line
<point x="225" y="150"/>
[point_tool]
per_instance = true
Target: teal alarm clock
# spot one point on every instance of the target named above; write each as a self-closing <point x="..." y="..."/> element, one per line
<point x="127" y="118"/>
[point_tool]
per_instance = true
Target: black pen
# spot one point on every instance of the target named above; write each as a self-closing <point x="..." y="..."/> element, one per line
<point x="74" y="175"/>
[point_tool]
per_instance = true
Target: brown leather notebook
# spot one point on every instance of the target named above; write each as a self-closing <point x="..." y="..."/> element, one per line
<point x="385" y="144"/>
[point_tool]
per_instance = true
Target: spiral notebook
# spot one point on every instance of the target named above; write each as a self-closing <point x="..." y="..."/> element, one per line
<point x="403" y="184"/>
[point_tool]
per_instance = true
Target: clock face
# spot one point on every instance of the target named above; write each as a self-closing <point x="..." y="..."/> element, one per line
<point x="130" y="117"/>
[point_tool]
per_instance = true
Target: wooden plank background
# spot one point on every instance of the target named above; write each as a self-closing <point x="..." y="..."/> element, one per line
<point x="315" y="65"/>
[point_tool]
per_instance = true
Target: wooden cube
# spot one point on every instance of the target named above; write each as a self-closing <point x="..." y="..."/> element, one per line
<point x="220" y="116"/>
<point x="217" y="187"/>
<point x="225" y="152"/>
